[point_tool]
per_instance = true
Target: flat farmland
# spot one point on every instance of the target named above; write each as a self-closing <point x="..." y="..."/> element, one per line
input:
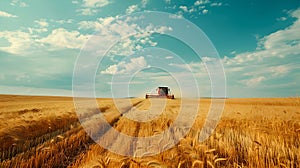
<point x="39" y="131"/>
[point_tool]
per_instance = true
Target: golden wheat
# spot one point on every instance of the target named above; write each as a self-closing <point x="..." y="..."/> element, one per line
<point x="45" y="132"/>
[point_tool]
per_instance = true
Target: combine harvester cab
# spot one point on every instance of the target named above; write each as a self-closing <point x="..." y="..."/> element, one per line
<point x="162" y="92"/>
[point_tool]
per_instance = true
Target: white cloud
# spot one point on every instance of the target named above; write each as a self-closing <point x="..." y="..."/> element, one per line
<point x="87" y="11"/>
<point x="279" y="44"/>
<point x="24" y="43"/>
<point x="160" y="29"/>
<point x="20" y="42"/>
<point x="274" y="61"/>
<point x="279" y="70"/>
<point x="134" y="65"/>
<point x="40" y="27"/>
<point x="184" y="8"/>
<point x="42" y="23"/>
<point x="5" y="14"/>
<point x="287" y="40"/>
<point x="18" y="3"/>
<point x="270" y="71"/>
<point x="64" y="21"/>
<point x="106" y="26"/>
<point x="124" y="47"/>
<point x="32" y="31"/>
<point x="112" y="69"/>
<point x="281" y="19"/>
<point x="253" y="81"/>
<point x="95" y="3"/>
<point x="132" y="9"/>
<point x="205" y="11"/>
<point x="216" y="4"/>
<point x="199" y="7"/>
<point x="112" y="28"/>
<point x="201" y="2"/>
<point x="192" y="10"/>
<point x="61" y="38"/>
<point x="31" y="41"/>
<point x="89" y="6"/>
<point x="175" y="16"/>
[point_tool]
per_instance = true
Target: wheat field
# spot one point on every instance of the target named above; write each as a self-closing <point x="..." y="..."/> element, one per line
<point x="37" y="131"/>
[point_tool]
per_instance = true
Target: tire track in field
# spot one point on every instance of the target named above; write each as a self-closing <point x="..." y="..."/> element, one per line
<point x="128" y="127"/>
<point x="112" y="140"/>
<point x="137" y="129"/>
<point x="81" y="142"/>
<point x="97" y="127"/>
<point x="141" y="148"/>
<point x="124" y="144"/>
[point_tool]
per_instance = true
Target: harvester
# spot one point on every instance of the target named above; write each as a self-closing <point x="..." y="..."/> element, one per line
<point x="162" y="92"/>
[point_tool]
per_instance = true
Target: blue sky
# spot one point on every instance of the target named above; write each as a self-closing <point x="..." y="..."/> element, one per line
<point x="258" y="43"/>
